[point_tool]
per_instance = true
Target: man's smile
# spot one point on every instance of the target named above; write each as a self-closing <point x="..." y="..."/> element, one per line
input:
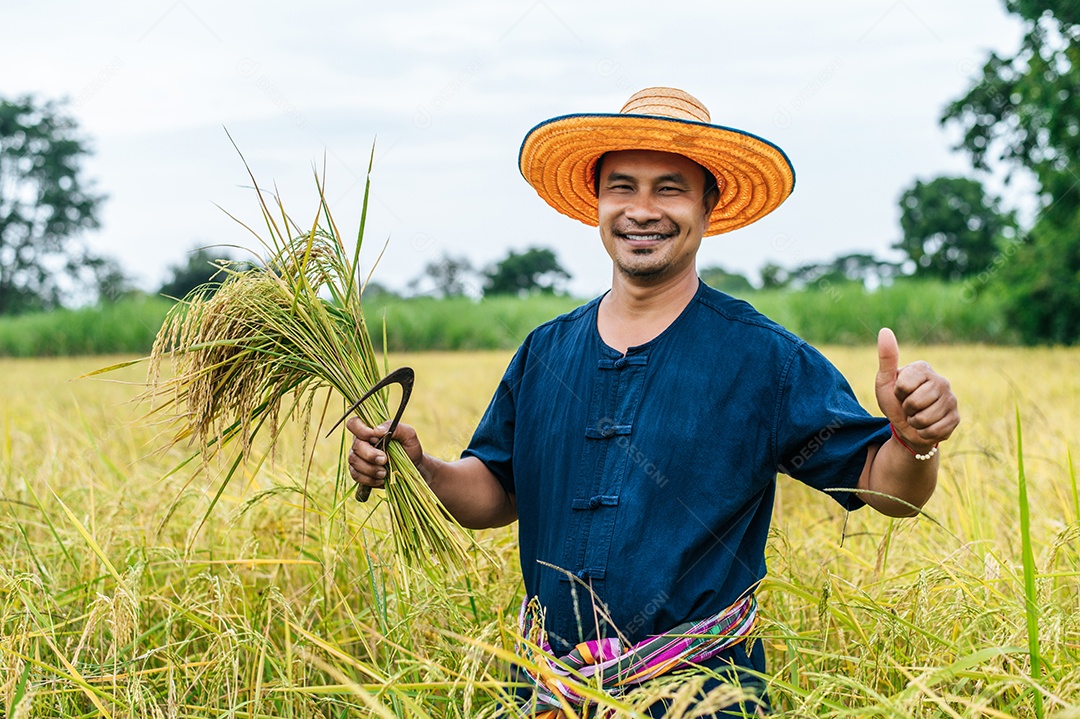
<point x="639" y="238"/>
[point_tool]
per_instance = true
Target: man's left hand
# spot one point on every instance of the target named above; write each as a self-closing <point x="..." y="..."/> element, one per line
<point x="917" y="400"/>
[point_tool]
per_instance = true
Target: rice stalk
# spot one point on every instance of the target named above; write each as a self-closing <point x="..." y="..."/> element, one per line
<point x="272" y="336"/>
<point x="1072" y="480"/>
<point x="1031" y="607"/>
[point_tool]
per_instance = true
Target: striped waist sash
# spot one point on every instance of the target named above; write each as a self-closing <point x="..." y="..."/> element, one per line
<point x="617" y="669"/>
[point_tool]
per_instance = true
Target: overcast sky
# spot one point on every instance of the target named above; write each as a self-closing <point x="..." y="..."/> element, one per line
<point x="850" y="89"/>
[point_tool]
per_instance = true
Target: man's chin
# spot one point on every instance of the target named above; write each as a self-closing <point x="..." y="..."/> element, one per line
<point x="644" y="272"/>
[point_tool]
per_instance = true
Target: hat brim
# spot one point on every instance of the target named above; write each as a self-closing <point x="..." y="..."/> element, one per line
<point x="558" y="157"/>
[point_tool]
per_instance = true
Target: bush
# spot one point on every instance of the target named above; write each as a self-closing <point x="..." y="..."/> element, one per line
<point x="926" y="311"/>
<point x="930" y="312"/>
<point x="124" y="327"/>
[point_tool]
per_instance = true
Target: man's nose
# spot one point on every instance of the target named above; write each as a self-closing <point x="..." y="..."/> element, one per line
<point x="642" y="209"/>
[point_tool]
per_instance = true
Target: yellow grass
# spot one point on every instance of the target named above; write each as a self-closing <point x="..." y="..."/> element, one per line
<point x="106" y="611"/>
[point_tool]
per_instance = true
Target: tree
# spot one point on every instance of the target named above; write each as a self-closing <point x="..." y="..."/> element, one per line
<point x="112" y="282"/>
<point x="200" y="269"/>
<point x="448" y="276"/>
<point x="859" y="268"/>
<point x="377" y="290"/>
<point x="1043" y="282"/>
<point x="952" y="227"/>
<point x="1024" y="110"/>
<point x="522" y="273"/>
<point x="1024" y="113"/>
<point x="44" y="205"/>
<point x="773" y="276"/>
<point x="865" y="269"/>
<point x="730" y="282"/>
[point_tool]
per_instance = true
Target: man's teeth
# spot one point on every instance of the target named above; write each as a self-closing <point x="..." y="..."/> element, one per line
<point x="645" y="237"/>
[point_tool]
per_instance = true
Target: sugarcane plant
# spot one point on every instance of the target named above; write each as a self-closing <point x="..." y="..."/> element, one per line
<point x="272" y="336"/>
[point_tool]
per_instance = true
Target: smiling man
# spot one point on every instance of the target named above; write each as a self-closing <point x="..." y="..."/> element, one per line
<point x="664" y="228"/>
<point x="636" y="440"/>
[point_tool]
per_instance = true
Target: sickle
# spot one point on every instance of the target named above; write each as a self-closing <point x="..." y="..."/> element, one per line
<point x="403" y="376"/>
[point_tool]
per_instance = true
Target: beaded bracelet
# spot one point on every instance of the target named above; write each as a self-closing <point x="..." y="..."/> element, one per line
<point x="920" y="457"/>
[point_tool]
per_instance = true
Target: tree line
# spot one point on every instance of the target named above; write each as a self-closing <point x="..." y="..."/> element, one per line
<point x="1022" y="113"/>
<point x="47" y="204"/>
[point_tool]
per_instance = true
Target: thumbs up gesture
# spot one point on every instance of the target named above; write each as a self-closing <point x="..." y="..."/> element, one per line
<point x="917" y="400"/>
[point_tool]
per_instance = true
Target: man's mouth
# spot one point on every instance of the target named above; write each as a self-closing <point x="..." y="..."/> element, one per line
<point x="644" y="238"/>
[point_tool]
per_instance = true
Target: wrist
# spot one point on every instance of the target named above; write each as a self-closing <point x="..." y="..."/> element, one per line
<point x="425" y="468"/>
<point x="918" y="448"/>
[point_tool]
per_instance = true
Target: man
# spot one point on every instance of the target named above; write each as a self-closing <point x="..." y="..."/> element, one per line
<point x="637" y="439"/>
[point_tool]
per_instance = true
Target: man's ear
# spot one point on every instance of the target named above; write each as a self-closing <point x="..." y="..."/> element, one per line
<point x="709" y="203"/>
<point x="711" y="199"/>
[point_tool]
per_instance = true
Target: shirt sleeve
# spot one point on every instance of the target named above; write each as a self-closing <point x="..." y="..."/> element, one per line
<point x="822" y="432"/>
<point x="493" y="441"/>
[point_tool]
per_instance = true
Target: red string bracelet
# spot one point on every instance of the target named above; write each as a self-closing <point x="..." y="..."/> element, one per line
<point x="920" y="457"/>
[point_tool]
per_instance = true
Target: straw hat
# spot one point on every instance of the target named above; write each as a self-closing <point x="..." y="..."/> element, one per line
<point x="558" y="157"/>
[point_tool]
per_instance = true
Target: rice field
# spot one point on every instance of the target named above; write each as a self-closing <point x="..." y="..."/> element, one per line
<point x="288" y="601"/>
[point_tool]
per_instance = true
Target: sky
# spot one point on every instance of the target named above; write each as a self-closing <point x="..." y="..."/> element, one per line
<point x="851" y="89"/>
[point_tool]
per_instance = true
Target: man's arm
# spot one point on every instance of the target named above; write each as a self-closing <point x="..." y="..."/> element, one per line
<point x="466" y="488"/>
<point x="890" y="469"/>
<point x="923" y="411"/>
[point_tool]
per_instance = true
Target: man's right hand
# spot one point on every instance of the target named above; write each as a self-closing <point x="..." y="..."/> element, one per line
<point x="466" y="488"/>
<point x="367" y="463"/>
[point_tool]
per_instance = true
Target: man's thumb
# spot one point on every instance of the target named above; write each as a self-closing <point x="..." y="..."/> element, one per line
<point x="888" y="353"/>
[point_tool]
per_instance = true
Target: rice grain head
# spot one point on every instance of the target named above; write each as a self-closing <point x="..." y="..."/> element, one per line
<point x="268" y="339"/>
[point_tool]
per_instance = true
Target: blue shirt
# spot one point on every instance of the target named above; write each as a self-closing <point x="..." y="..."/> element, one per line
<point x="645" y="481"/>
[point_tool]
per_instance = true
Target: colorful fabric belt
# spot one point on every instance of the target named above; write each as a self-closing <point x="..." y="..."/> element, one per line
<point x="687" y="644"/>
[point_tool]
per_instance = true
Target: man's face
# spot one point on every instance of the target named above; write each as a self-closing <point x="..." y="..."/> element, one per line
<point x="651" y="213"/>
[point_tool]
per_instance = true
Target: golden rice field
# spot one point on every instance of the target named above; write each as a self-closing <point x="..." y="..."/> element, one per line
<point x="289" y="602"/>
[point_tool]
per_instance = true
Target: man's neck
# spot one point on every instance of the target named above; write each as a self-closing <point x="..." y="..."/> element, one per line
<point x="634" y="313"/>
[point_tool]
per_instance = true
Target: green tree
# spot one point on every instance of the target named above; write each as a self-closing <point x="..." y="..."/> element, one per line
<point x="202" y="268"/>
<point x="1043" y="283"/>
<point x="522" y="273"/>
<point x="859" y="268"/>
<point x="952" y="228"/>
<point x="730" y="282"/>
<point x="865" y="269"/>
<point x="1024" y="113"/>
<point x="773" y="276"/>
<point x="377" y="290"/>
<point x="113" y="283"/>
<point x="448" y="276"/>
<point x="45" y="204"/>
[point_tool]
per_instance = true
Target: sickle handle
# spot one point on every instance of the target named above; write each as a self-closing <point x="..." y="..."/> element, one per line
<point x="403" y="376"/>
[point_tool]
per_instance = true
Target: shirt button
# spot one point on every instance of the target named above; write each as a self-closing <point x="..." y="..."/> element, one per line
<point x="607" y="432"/>
<point x="594" y="503"/>
<point x="620" y="363"/>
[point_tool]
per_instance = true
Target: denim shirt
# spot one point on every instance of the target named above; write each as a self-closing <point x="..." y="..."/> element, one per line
<point x="645" y="482"/>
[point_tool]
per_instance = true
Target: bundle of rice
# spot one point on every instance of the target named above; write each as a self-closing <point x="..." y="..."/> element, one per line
<point x="279" y="333"/>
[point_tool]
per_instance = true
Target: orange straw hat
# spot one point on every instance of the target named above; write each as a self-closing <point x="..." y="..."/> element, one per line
<point x="558" y="157"/>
